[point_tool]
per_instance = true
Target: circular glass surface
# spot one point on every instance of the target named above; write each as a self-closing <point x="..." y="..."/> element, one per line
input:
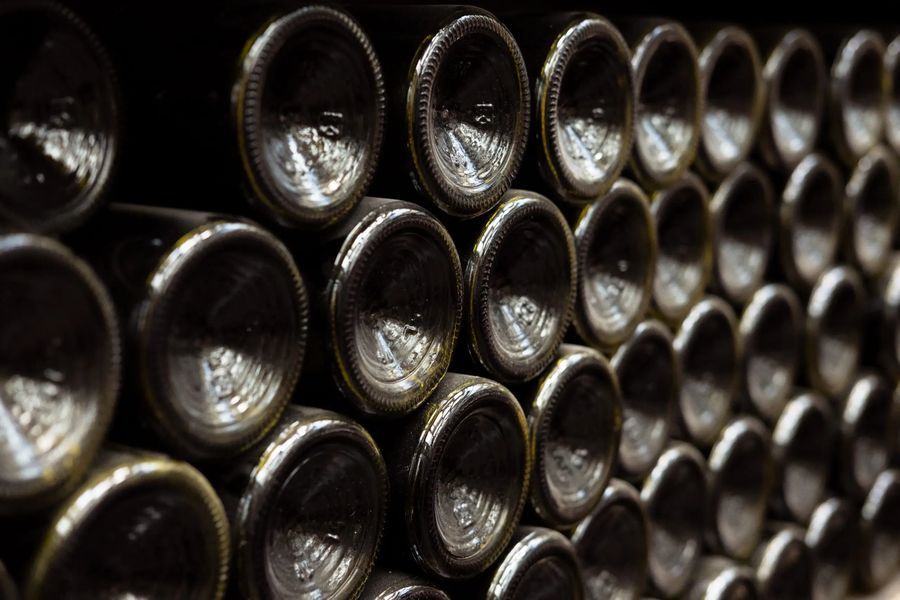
<point x="153" y="541"/>
<point x="593" y="112"/>
<point x="709" y="367"/>
<point x="666" y="105"/>
<point x="577" y="450"/>
<point x="402" y="311"/>
<point x="470" y="113"/>
<point x="320" y="112"/>
<point x="795" y="103"/>
<point x="613" y="552"/>
<point x="323" y="529"/>
<point x="815" y="225"/>
<point x="647" y="375"/>
<point x="230" y="329"/>
<point x="479" y="477"/>
<point x="742" y="244"/>
<point x="731" y="98"/>
<point x="682" y="233"/>
<point x="58" y="356"/>
<point x="59" y="122"/>
<point x="617" y="266"/>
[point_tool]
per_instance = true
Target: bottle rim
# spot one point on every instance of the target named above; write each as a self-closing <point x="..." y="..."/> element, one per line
<point x="876" y="164"/>
<point x="771" y="297"/>
<point x="343" y="296"/>
<point x="836" y="280"/>
<point x="56" y="479"/>
<point x="795" y="42"/>
<point x="731" y="194"/>
<point x="550" y="394"/>
<point x="669" y="204"/>
<point x="726" y="39"/>
<point x="853" y="136"/>
<point x="453" y="406"/>
<point x="534" y="545"/>
<point x="585" y="233"/>
<point x="653" y="493"/>
<point x="517" y="208"/>
<point x="621" y="494"/>
<point x="588" y="29"/>
<point x="802" y="184"/>
<point x="809" y="411"/>
<point x="668" y="32"/>
<point x="154" y="318"/>
<point x="111" y="482"/>
<point x="257" y="57"/>
<point x="727" y="448"/>
<point x="420" y="98"/>
<point x="92" y="196"/>
<point x="297" y="436"/>
<point x="647" y="330"/>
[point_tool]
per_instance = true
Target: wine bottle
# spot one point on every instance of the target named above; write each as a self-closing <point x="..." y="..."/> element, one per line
<point x="59" y="144"/>
<point x="879" y="542"/>
<point x="810" y="221"/>
<point x="520" y="286"/>
<point x="309" y="504"/>
<point x="276" y="108"/>
<point x="857" y="92"/>
<point x="871" y="211"/>
<point x="732" y="96"/>
<point x="615" y="244"/>
<point x="770" y="330"/>
<point x="795" y="80"/>
<point x="611" y="545"/>
<point x="668" y="102"/>
<point x="720" y="578"/>
<point x="539" y="564"/>
<point x="141" y="525"/>
<point x="60" y="351"/>
<point x="217" y="318"/>
<point x="583" y="101"/>
<point x="740" y="480"/>
<point x="784" y="564"/>
<point x="684" y="257"/>
<point x="833" y="335"/>
<point x="459" y="468"/>
<point x="709" y="353"/>
<point x="832" y="537"/>
<point x="458" y="105"/>
<point x="394" y="585"/>
<point x="884" y="325"/>
<point x="743" y="217"/>
<point x="575" y="423"/>
<point x="892" y="116"/>
<point x="649" y="377"/>
<point x="675" y="497"/>
<point x="392" y="300"/>
<point x="803" y="441"/>
<point x="866" y="434"/>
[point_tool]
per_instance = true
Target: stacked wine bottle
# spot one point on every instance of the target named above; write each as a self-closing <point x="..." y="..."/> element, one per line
<point x="430" y="302"/>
